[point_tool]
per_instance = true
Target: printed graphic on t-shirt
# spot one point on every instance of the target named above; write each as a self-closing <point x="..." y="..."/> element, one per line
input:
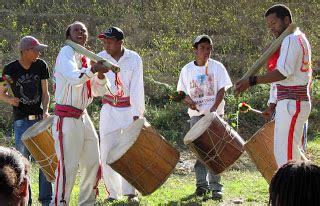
<point x="28" y="89"/>
<point x="202" y="89"/>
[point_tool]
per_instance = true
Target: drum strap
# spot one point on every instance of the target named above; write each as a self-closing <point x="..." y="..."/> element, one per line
<point x="63" y="111"/>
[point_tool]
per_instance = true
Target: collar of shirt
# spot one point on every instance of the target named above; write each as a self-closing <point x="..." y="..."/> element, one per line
<point x="126" y="54"/>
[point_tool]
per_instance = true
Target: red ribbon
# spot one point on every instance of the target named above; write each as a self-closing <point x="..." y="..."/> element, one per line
<point x="118" y="83"/>
<point x="272" y="61"/>
<point x="85" y="65"/>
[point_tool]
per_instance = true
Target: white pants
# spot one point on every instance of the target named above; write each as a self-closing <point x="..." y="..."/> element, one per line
<point x="111" y="119"/>
<point x="290" y="118"/>
<point x="81" y="149"/>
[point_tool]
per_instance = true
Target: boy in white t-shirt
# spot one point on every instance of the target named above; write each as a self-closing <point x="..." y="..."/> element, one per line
<point x="204" y="81"/>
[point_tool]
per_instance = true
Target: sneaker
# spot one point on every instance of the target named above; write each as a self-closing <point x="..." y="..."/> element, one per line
<point x="133" y="198"/>
<point x="217" y="195"/>
<point x="110" y="199"/>
<point x="201" y="191"/>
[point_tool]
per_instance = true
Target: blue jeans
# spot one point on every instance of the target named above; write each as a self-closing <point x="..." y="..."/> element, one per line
<point x="45" y="188"/>
<point x="202" y="173"/>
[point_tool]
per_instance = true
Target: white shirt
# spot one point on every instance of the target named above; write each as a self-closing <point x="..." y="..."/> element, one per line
<point x="131" y="75"/>
<point x="290" y="60"/>
<point x="203" y="88"/>
<point x="71" y="78"/>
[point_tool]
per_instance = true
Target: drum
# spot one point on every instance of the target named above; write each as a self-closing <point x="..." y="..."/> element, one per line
<point x="214" y="143"/>
<point x="261" y="150"/>
<point x="143" y="157"/>
<point x="38" y="140"/>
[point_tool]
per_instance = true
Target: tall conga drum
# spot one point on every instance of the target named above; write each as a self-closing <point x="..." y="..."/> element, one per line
<point x="214" y="142"/>
<point x="143" y="157"/>
<point x="260" y="148"/>
<point x="38" y="140"/>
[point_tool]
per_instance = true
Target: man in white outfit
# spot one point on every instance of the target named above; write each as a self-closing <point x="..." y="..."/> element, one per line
<point x="121" y="108"/>
<point x="292" y="76"/>
<point x="76" y="141"/>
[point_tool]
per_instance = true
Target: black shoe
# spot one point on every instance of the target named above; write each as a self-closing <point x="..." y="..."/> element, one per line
<point x="217" y="195"/>
<point x="110" y="199"/>
<point x="201" y="191"/>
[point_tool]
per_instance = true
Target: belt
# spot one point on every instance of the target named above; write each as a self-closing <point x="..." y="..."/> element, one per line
<point x="116" y="101"/>
<point x="292" y="92"/>
<point x="34" y="117"/>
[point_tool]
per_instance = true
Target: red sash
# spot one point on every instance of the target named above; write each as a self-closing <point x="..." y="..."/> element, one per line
<point x="292" y="92"/>
<point x="116" y="101"/>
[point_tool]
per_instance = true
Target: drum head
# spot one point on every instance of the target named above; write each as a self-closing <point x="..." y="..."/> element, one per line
<point x="37" y="128"/>
<point x="127" y="137"/>
<point x="200" y="127"/>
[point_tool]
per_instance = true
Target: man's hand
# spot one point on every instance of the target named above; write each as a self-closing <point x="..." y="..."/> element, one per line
<point x="241" y="86"/>
<point x="14" y="101"/>
<point x="191" y="104"/>
<point x="99" y="67"/>
<point x="45" y="115"/>
<point x="269" y="111"/>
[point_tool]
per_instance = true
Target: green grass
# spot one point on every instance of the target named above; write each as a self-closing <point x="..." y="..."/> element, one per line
<point x="246" y="184"/>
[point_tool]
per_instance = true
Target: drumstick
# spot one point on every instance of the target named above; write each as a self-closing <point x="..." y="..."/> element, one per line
<point x="273" y="47"/>
<point x="244" y="107"/>
<point x="80" y="49"/>
<point x="256" y="111"/>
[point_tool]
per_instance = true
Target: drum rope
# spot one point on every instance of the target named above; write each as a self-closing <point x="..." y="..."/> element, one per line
<point x="49" y="159"/>
<point x="214" y="154"/>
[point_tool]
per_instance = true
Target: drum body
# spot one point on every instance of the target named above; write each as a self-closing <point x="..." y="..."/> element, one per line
<point x="214" y="143"/>
<point x="38" y="140"/>
<point x="260" y="149"/>
<point x="143" y="157"/>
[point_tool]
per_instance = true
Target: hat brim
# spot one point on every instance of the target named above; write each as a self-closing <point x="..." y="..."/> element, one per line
<point x="102" y="36"/>
<point x="40" y="47"/>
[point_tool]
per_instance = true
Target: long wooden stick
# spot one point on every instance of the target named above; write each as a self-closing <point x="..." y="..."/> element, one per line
<point x="273" y="47"/>
<point x="80" y="49"/>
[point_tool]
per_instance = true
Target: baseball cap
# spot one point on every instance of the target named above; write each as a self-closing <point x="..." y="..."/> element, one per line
<point x="200" y="37"/>
<point x="112" y="32"/>
<point x="29" y="42"/>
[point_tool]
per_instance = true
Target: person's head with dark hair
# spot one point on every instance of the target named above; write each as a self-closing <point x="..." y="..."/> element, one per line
<point x="13" y="177"/>
<point x="278" y="18"/>
<point x="113" y="39"/>
<point x="202" y="46"/>
<point x="295" y="184"/>
<point x="77" y="32"/>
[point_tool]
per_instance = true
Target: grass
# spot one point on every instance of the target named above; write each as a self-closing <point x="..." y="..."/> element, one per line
<point x="245" y="184"/>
